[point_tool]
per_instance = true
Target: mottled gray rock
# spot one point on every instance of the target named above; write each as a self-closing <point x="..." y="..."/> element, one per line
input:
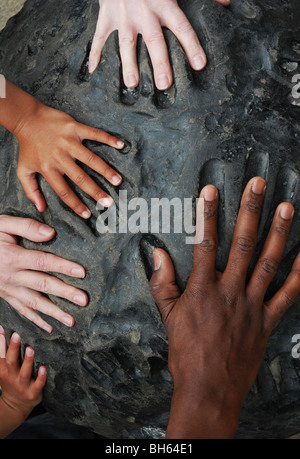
<point x="234" y="120"/>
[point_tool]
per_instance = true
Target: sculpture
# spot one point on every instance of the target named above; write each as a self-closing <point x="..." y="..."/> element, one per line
<point x="236" y="119"/>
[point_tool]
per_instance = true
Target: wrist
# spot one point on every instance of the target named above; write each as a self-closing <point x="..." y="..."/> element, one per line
<point x="17" y="108"/>
<point x="11" y="417"/>
<point x="26" y="117"/>
<point x="16" y="408"/>
<point x="202" y="414"/>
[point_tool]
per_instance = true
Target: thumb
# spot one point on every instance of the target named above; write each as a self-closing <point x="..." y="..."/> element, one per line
<point x="162" y="284"/>
<point x="31" y="189"/>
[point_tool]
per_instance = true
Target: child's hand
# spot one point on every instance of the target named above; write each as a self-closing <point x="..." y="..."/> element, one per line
<point x="219" y="327"/>
<point x="146" y="17"/>
<point x="20" y="392"/>
<point x="23" y="273"/>
<point x="50" y="143"/>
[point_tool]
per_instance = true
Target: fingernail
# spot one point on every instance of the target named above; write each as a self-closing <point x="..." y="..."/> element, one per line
<point x="86" y="214"/>
<point x="259" y="186"/>
<point x="80" y="299"/>
<point x="47" y="328"/>
<point x="210" y="193"/>
<point x="77" y="272"/>
<point x="120" y="144"/>
<point x="286" y="212"/>
<point x="131" y="81"/>
<point x="157" y="260"/>
<point x="163" y="82"/>
<point x="116" y="179"/>
<point x="45" y="230"/>
<point x="29" y="352"/>
<point x="106" y="202"/>
<point x="16" y="338"/>
<point x="68" y="321"/>
<point x="199" y="62"/>
<point x="42" y="371"/>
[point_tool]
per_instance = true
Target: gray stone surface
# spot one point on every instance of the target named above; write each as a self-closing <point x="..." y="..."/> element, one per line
<point x="224" y="125"/>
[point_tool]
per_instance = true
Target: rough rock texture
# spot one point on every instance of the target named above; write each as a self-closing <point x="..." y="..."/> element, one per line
<point x="224" y="125"/>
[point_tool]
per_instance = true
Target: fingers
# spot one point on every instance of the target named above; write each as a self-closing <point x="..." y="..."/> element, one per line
<point x="87" y="132"/>
<point x="204" y="269"/>
<point x="162" y="284"/>
<point x="25" y="374"/>
<point x="13" y="352"/>
<point x="101" y="35"/>
<point x="40" y="261"/>
<point x="2" y="343"/>
<point x="40" y="380"/>
<point x="286" y="296"/>
<point x="158" y="51"/>
<point x="245" y="234"/>
<point x="29" y="313"/>
<point x="86" y="184"/>
<point x="178" y="23"/>
<point x="128" y="40"/>
<point x="67" y="195"/>
<point x="51" y="286"/>
<point x="31" y="189"/>
<point x="29" y="303"/>
<point x="97" y="164"/>
<point x="27" y="228"/>
<point x="269" y="260"/>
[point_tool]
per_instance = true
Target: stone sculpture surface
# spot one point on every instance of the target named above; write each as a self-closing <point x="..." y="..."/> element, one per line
<point x="234" y="120"/>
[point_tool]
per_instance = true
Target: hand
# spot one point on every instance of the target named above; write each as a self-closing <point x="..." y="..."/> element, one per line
<point x="146" y="17"/>
<point x="219" y="327"/>
<point x="23" y="273"/>
<point x="50" y="142"/>
<point x="20" y="392"/>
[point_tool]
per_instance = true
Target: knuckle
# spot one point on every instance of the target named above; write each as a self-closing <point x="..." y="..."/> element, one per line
<point x="90" y="159"/>
<point x="281" y="231"/>
<point x="288" y="301"/>
<point x="251" y="206"/>
<point x="269" y="265"/>
<point x="41" y="262"/>
<point x="245" y="244"/>
<point x="98" y="194"/>
<point x="208" y="245"/>
<point x="80" y="180"/>
<point x="63" y="194"/>
<point x="154" y="37"/>
<point x="28" y="225"/>
<point x="127" y="40"/>
<point x="183" y="27"/>
<point x="45" y="169"/>
<point x="43" y="286"/>
<point x="32" y="303"/>
<point x="107" y="171"/>
<point x="210" y="211"/>
<point x="154" y="287"/>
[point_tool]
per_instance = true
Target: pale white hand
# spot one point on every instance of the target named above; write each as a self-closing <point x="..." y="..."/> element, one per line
<point x="146" y="17"/>
<point x="23" y="273"/>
